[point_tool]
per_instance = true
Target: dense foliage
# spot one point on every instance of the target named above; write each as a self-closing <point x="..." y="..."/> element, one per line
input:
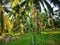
<point x="21" y="16"/>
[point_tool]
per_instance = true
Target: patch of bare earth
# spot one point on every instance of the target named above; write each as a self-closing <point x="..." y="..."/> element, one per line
<point x="53" y="43"/>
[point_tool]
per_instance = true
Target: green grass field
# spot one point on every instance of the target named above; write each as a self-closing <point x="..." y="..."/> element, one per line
<point x="41" y="39"/>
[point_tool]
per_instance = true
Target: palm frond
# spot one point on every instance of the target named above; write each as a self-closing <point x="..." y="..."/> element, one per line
<point x="55" y="2"/>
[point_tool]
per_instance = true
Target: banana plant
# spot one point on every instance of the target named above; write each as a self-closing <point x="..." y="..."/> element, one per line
<point x="8" y="24"/>
<point x="3" y="9"/>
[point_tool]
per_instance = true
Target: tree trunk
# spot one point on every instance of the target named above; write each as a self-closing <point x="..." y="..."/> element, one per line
<point x="35" y="24"/>
<point x="1" y="20"/>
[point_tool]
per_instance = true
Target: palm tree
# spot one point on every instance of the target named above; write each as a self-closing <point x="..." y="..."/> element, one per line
<point x="34" y="5"/>
<point x="26" y="6"/>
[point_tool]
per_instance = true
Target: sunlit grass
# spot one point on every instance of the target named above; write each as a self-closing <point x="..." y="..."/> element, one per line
<point x="55" y="32"/>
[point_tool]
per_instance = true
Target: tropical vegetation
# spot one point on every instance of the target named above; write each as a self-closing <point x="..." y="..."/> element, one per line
<point x="29" y="17"/>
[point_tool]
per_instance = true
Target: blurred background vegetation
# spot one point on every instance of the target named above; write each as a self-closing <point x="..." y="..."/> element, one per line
<point x="20" y="17"/>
